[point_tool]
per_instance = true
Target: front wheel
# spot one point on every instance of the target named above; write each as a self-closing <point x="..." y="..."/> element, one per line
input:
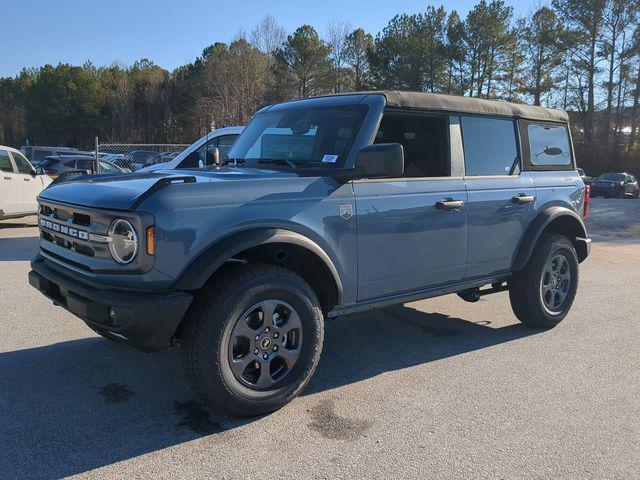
<point x="543" y="292"/>
<point x="253" y="339"/>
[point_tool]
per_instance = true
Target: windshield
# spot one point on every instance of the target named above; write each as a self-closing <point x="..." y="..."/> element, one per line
<point x="301" y="136"/>
<point x="615" y="177"/>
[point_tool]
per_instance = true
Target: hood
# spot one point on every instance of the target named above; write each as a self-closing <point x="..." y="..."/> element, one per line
<point x="126" y="191"/>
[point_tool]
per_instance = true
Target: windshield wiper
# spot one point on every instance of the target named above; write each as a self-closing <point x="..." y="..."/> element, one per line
<point x="279" y="161"/>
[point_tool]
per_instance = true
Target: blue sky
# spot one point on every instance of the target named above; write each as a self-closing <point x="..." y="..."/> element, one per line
<point x="169" y="32"/>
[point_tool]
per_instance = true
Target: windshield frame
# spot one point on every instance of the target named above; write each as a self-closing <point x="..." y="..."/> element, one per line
<point x="374" y="104"/>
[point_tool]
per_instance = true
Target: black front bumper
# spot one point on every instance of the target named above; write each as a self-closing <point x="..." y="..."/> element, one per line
<point x="147" y="320"/>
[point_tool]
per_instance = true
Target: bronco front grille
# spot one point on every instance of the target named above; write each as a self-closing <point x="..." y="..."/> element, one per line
<point x="65" y="227"/>
<point x="65" y="236"/>
<point x="77" y="236"/>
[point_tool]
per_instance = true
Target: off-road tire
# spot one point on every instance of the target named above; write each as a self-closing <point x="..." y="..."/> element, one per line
<point x="208" y="325"/>
<point x="525" y="286"/>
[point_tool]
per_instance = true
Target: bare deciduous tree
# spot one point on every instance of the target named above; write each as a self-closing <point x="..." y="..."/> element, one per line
<point x="337" y="32"/>
<point x="268" y="36"/>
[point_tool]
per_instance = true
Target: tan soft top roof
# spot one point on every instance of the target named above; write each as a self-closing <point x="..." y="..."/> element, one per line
<point x="450" y="103"/>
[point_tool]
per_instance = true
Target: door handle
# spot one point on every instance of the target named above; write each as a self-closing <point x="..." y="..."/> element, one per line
<point x="522" y="198"/>
<point x="447" y="204"/>
<point x="26" y="179"/>
<point x="8" y="178"/>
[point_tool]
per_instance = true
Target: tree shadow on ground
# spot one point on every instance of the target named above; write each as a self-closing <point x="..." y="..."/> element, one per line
<point x="74" y="406"/>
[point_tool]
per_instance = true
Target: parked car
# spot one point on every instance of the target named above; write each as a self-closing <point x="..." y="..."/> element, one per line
<point x="326" y="206"/>
<point x="116" y="159"/>
<point x="37" y="154"/>
<point x="200" y="153"/>
<point x="585" y="178"/>
<point x="57" y="165"/>
<point x="20" y="184"/>
<point x="78" y="165"/>
<point x="105" y="166"/>
<point x="168" y="156"/>
<point x="138" y="159"/>
<point x="618" y="185"/>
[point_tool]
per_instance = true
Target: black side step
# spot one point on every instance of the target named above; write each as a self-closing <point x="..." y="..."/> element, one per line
<point x="473" y="295"/>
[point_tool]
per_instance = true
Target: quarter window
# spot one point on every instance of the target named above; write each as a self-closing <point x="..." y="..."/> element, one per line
<point x="549" y="145"/>
<point x="489" y="146"/>
<point x="5" y="162"/>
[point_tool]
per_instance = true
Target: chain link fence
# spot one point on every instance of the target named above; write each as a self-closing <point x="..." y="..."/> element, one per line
<point x="129" y="157"/>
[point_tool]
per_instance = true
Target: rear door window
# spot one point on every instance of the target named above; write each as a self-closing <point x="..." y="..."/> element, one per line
<point x="549" y="145"/>
<point x="490" y="146"/>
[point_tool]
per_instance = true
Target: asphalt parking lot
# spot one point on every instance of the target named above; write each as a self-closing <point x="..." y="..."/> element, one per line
<point x="435" y="389"/>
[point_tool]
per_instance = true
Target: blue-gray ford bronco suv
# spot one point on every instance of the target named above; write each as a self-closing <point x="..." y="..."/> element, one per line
<point x="323" y="207"/>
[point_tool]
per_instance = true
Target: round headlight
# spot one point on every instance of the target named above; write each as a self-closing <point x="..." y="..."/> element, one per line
<point x="124" y="241"/>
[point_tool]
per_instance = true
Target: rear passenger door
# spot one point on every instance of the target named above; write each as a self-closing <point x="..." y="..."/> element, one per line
<point x="501" y="197"/>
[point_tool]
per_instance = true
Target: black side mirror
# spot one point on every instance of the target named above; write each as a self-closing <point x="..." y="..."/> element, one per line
<point x="382" y="160"/>
<point x="37" y="171"/>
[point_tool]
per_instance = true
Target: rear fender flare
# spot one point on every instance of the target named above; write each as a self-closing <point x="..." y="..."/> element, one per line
<point x="540" y="224"/>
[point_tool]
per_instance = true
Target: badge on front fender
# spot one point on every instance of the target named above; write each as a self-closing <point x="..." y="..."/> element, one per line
<point x="346" y="211"/>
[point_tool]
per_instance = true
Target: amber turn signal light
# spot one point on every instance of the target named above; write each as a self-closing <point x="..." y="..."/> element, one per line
<point x="151" y="241"/>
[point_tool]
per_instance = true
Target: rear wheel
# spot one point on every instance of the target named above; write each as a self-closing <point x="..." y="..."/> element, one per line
<point x="543" y="292"/>
<point x="253" y="340"/>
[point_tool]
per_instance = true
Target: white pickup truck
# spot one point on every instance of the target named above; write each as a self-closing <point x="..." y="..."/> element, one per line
<point x="20" y="184"/>
<point x="199" y="152"/>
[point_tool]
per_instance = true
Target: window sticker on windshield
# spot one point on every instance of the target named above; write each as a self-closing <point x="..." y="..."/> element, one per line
<point x="330" y="159"/>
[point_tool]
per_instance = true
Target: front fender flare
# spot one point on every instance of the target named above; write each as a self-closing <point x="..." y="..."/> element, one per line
<point x="201" y="269"/>
<point x="540" y="224"/>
